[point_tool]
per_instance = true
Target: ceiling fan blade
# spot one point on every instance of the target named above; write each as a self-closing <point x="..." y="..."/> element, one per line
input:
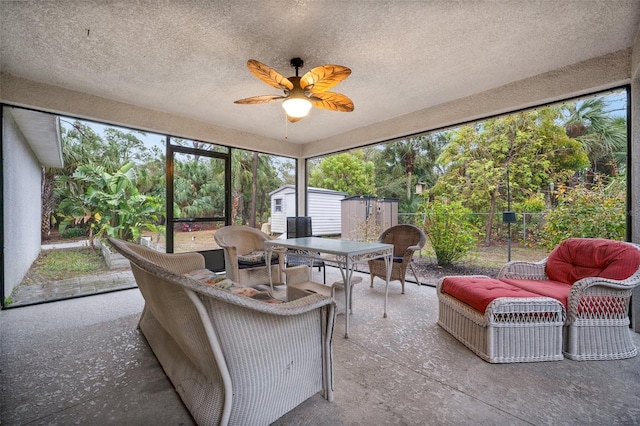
<point x="293" y="119"/>
<point x="332" y="101"/>
<point x="263" y="99"/>
<point x="323" y="78"/>
<point x="268" y="75"/>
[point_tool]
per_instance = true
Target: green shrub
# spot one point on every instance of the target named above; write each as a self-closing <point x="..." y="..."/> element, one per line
<point x="450" y="230"/>
<point x="74" y="233"/>
<point x="534" y="204"/>
<point x="598" y="212"/>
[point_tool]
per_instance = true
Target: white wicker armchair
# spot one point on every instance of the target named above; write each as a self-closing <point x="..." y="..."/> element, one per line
<point x="238" y="241"/>
<point x="597" y="307"/>
<point x="232" y="359"/>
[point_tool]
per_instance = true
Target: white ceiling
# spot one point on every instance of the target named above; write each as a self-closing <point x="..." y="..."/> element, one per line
<point x="188" y="58"/>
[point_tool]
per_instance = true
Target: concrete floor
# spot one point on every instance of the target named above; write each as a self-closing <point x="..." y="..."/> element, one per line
<point x="83" y="361"/>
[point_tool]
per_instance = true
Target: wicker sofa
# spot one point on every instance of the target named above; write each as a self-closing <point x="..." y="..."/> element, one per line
<point x="593" y="278"/>
<point x="232" y="359"/>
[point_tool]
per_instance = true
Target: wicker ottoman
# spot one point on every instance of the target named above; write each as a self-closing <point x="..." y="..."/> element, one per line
<point x="507" y="324"/>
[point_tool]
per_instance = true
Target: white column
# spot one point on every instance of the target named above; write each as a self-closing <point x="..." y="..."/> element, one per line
<point x="635" y="170"/>
<point x="635" y="188"/>
<point x="301" y="188"/>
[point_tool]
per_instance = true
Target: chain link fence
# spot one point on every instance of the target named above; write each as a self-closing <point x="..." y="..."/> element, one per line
<point x="526" y="229"/>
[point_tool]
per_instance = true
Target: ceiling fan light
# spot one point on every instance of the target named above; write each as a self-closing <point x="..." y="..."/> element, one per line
<point x="296" y="107"/>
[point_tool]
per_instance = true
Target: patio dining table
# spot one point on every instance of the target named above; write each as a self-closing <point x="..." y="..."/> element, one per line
<point x="343" y="253"/>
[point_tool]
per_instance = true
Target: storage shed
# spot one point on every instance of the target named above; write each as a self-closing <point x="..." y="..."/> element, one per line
<point x="362" y="214"/>
<point x="323" y="205"/>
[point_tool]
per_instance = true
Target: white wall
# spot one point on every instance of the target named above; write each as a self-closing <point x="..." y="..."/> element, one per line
<point x="22" y="204"/>
<point x="324" y="208"/>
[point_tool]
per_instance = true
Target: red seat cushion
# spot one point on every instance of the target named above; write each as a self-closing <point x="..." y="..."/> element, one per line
<point x="554" y="289"/>
<point x="578" y="258"/>
<point x="479" y="292"/>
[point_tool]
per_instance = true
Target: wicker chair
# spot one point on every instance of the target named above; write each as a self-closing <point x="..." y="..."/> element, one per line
<point x="231" y="359"/>
<point x="242" y="248"/>
<point x="406" y="239"/>
<point x="594" y="278"/>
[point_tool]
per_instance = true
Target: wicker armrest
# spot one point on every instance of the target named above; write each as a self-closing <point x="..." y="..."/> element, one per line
<point x="408" y="253"/>
<point x="296" y="274"/>
<point x="596" y="297"/>
<point x="524" y="270"/>
<point x="178" y="263"/>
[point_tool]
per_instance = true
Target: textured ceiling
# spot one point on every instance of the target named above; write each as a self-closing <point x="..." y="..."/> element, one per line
<point x="188" y="58"/>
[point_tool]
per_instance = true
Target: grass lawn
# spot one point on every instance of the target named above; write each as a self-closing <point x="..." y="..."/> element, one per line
<point x="54" y="265"/>
<point x="496" y="255"/>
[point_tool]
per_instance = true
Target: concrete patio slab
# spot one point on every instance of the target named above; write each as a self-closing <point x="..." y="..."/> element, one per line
<point x="82" y="361"/>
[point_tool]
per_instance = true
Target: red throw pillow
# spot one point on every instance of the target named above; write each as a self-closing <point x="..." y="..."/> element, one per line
<point x="578" y="258"/>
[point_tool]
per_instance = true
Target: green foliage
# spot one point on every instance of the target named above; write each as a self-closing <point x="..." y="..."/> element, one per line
<point x="603" y="136"/>
<point x="347" y="172"/>
<point x="531" y="145"/>
<point x="198" y="186"/>
<point x="400" y="165"/>
<point x="74" y="232"/>
<point x="598" y="212"/>
<point x="8" y="301"/>
<point x="534" y="204"/>
<point x="449" y="229"/>
<point x="112" y="204"/>
<point x="254" y="176"/>
<point x="99" y="175"/>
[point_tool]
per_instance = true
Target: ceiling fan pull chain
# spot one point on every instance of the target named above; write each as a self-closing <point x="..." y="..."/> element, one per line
<point x="286" y="127"/>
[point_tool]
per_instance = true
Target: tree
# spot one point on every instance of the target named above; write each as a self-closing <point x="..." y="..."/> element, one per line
<point x="410" y="161"/>
<point x="530" y="145"/>
<point x="595" y="212"/>
<point x="253" y="177"/>
<point x="79" y="144"/>
<point x="198" y="185"/>
<point x="347" y="172"/>
<point x="603" y="137"/>
<point x="82" y="146"/>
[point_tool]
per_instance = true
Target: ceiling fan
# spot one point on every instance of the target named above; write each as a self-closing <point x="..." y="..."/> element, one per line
<point x="301" y="93"/>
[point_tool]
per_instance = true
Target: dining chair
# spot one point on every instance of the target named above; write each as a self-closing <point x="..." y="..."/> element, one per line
<point x="406" y="239"/>
<point x="297" y="227"/>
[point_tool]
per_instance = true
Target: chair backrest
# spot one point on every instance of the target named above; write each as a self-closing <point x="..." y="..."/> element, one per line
<point x="298" y="227"/>
<point x="244" y="238"/>
<point x="578" y="258"/>
<point x="403" y="237"/>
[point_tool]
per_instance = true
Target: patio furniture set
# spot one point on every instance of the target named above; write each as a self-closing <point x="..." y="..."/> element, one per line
<point x="236" y="355"/>
<point x="574" y="304"/>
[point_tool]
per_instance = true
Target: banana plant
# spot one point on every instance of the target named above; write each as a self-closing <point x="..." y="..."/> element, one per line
<point x="112" y="204"/>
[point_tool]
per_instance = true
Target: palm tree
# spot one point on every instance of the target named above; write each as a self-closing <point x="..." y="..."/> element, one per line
<point x="603" y="137"/>
<point x="415" y="156"/>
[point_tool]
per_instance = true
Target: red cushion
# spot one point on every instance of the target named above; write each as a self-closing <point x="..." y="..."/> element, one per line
<point x="578" y="258"/>
<point x="479" y="292"/>
<point x="554" y="289"/>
